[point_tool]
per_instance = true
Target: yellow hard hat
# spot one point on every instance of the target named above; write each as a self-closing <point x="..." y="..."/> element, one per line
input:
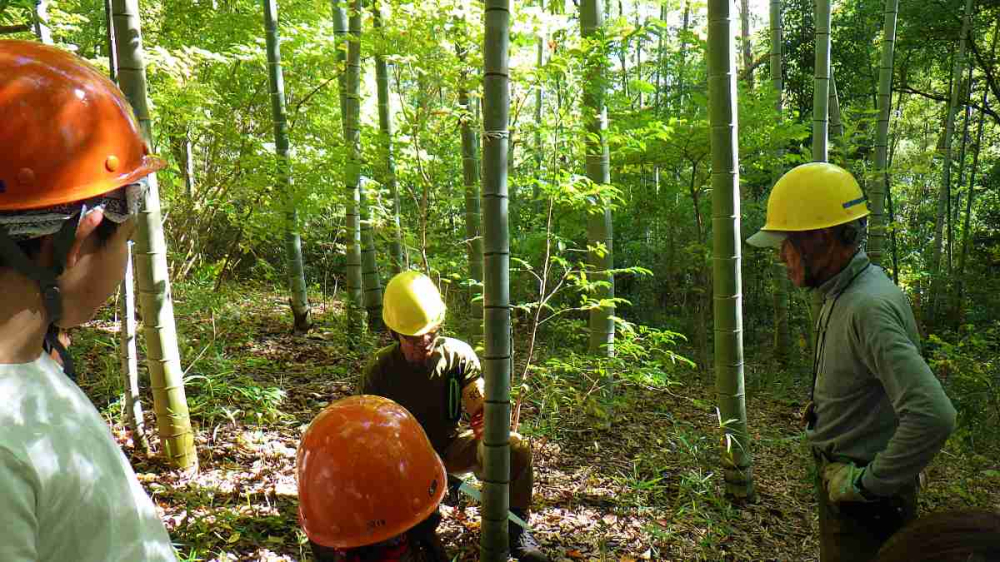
<point x="412" y="305"/>
<point x="810" y="197"/>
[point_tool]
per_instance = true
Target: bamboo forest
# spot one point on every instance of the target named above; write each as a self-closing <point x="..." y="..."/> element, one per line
<point x="606" y="225"/>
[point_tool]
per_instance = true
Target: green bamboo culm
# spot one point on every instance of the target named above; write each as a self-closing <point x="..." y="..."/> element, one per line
<point x="127" y="350"/>
<point x="782" y="335"/>
<point x="599" y="227"/>
<point x="958" y="306"/>
<point x="349" y="52"/>
<point x="937" y="285"/>
<point x="293" y="242"/>
<point x="153" y="277"/>
<point x="370" y="281"/>
<point x="473" y="218"/>
<point x="821" y="123"/>
<point x="727" y="286"/>
<point x="493" y="546"/>
<point x="370" y="278"/>
<point x="836" y="128"/>
<point x="340" y="34"/>
<point x="879" y="187"/>
<point x="396" y="255"/>
<point x="539" y="148"/>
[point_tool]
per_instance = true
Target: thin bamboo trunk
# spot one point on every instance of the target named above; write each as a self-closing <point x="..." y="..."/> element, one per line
<point x="385" y="138"/>
<point x="110" y="38"/>
<point x="959" y="305"/>
<point x="371" y="281"/>
<point x="371" y="284"/>
<point x="836" y="126"/>
<point x="745" y="42"/>
<point x="821" y="101"/>
<point x="880" y="187"/>
<point x="638" y="65"/>
<point x="293" y="243"/>
<point x="188" y="165"/>
<point x="340" y="33"/>
<point x="41" y="22"/>
<point x="682" y="70"/>
<point x="162" y="357"/>
<point x="350" y="110"/>
<point x="599" y="226"/>
<point x="782" y="334"/>
<point x="821" y="88"/>
<point x="660" y="56"/>
<point x="496" y="283"/>
<point x="727" y="283"/>
<point x="130" y="360"/>
<point x="127" y="348"/>
<point x="539" y="100"/>
<point x="473" y="218"/>
<point x="953" y="213"/>
<point x="944" y="198"/>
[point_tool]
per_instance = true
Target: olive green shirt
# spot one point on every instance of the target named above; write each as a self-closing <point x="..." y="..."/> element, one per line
<point x="427" y="391"/>
<point x="877" y="402"/>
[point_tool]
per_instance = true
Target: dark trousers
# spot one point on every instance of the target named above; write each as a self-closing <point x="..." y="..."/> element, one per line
<point x="465" y="455"/>
<point x="854" y="531"/>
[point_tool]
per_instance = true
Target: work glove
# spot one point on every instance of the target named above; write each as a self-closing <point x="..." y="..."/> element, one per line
<point x="842" y="481"/>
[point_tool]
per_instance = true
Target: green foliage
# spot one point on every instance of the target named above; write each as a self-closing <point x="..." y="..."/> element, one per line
<point x="572" y="381"/>
<point x="967" y="365"/>
<point x="208" y="84"/>
<point x="220" y="396"/>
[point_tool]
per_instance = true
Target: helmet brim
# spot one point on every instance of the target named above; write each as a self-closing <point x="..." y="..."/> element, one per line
<point x="767" y="239"/>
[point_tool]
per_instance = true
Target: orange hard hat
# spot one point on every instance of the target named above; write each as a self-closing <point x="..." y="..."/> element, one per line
<point x="366" y="473"/>
<point x="66" y="131"/>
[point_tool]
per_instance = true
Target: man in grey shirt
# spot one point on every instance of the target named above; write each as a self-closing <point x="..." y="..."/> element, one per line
<point x="878" y="414"/>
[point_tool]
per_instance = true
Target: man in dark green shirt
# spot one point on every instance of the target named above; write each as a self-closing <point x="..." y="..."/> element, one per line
<point x="878" y="414"/>
<point x="438" y="379"/>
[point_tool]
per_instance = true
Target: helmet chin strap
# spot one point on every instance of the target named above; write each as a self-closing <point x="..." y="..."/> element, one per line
<point x="47" y="279"/>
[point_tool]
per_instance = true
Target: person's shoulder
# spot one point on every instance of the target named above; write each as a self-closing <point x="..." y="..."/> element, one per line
<point x="874" y="289"/>
<point x="30" y="384"/>
<point x="456" y="346"/>
<point x="385" y="353"/>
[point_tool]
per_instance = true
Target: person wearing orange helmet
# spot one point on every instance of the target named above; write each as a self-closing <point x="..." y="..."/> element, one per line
<point x="71" y="167"/>
<point x="877" y="414"/>
<point x="438" y="379"/>
<point x="369" y="484"/>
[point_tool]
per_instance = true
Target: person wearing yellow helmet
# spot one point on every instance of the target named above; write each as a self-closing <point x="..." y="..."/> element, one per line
<point x="877" y="415"/>
<point x="72" y="164"/>
<point x="438" y="379"/>
<point x="369" y="484"/>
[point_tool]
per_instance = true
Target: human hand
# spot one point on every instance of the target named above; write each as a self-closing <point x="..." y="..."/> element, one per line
<point x="842" y="482"/>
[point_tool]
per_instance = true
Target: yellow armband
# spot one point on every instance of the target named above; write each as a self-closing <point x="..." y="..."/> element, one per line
<point x="473" y="396"/>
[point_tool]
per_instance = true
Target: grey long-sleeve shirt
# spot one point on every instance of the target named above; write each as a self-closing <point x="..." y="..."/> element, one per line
<point x="877" y="402"/>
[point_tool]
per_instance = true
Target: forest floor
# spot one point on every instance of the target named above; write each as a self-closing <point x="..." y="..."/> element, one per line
<point x="635" y="481"/>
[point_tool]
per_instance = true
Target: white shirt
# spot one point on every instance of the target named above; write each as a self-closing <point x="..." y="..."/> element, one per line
<point x="67" y="493"/>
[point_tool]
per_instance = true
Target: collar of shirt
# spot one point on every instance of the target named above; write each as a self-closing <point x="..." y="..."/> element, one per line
<point x="834" y="285"/>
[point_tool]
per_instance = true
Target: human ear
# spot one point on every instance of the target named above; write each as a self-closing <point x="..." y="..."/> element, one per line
<point x="88" y="224"/>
